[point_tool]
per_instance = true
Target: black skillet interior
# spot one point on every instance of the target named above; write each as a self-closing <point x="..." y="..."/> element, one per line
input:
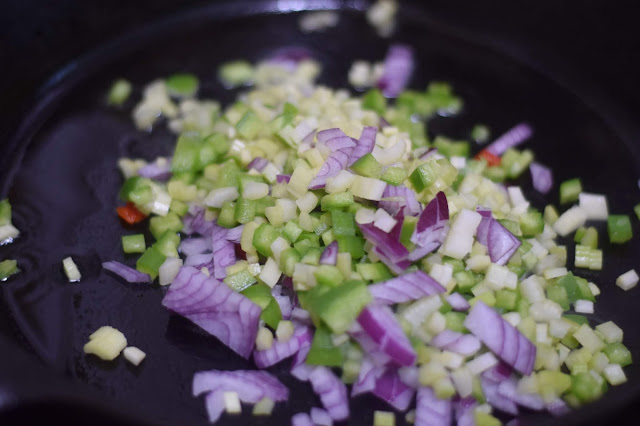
<point x="64" y="182"/>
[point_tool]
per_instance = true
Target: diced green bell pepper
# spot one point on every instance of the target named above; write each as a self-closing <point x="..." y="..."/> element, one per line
<point x="150" y="262"/>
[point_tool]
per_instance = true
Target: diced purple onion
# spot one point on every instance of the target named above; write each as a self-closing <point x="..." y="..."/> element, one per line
<point x="463" y="344"/>
<point x="325" y="135"/>
<point x="199" y="261"/>
<point x="284" y="301"/>
<point x="428" y="153"/>
<point x="542" y="177"/>
<point x="384" y="329"/>
<point x="496" y="400"/>
<point x="498" y="373"/>
<point x="282" y="350"/>
<point x="156" y="172"/>
<point x="330" y="254"/>
<point x="129" y="274"/>
<point x="382" y="123"/>
<point x="465" y="410"/>
<point x="410" y="376"/>
<point x="258" y="164"/>
<point x="397" y="267"/>
<point x="191" y="246"/>
<point x="396" y="231"/>
<point x="391" y="247"/>
<point x="332" y="392"/>
<point x="234" y="234"/>
<point x="301" y="419"/>
<point x="251" y="387"/>
<point x="309" y="138"/>
<point x="432" y="411"/>
<point x="458" y="302"/>
<point x="195" y="223"/>
<point x="368" y="345"/>
<point x="224" y="253"/>
<point x="404" y="288"/>
<point x="213" y="306"/>
<point x="398" y="66"/>
<point x="501" y="244"/>
<point x="501" y="338"/>
<point x="283" y="178"/>
<point x="340" y="142"/>
<point x="300" y="315"/>
<point x="393" y="391"/>
<point x="396" y="198"/>
<point x="336" y="161"/>
<point x="367" y="377"/>
<point x="557" y="407"/>
<point x="432" y="227"/>
<point x="320" y="417"/>
<point x="364" y="145"/>
<point x="513" y="137"/>
<point x="509" y="389"/>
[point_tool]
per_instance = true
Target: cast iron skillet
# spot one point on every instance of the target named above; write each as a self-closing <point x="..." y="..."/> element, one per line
<point x="63" y="184"/>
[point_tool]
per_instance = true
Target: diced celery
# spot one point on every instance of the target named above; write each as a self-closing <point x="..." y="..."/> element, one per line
<point x="455" y="321"/>
<point x="168" y="243"/>
<point x="343" y="223"/>
<point x="292" y="231"/>
<point x="158" y="225"/>
<point x="585" y="387"/>
<point x="570" y="190"/>
<point x="8" y="267"/>
<point x="374" y="272"/>
<point x="263" y="236"/>
<point x="480" y="133"/>
<point x="341" y="305"/>
<point x="368" y="166"/>
<point x="119" y="92"/>
<point x="351" y="244"/>
<point x="506" y="299"/>
<point x="240" y="280"/>
<point x="619" y="227"/>
<point x="260" y="294"/>
<point x="182" y="84"/>
<point x="322" y="351"/>
<point x="288" y="260"/>
<point x="336" y="201"/>
<point x="550" y="214"/>
<point x="423" y="176"/>
<point x="394" y="175"/>
<point x="531" y="224"/>
<point x="374" y="100"/>
<point x="249" y="125"/>
<point x="449" y="148"/>
<point x="618" y="354"/>
<point x="133" y="243"/>
<point x="227" y="216"/>
<point x="186" y="156"/>
<point x="328" y="275"/>
<point x="150" y="262"/>
<point x="236" y="73"/>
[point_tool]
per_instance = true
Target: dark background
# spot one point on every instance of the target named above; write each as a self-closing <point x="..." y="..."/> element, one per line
<point x="591" y="47"/>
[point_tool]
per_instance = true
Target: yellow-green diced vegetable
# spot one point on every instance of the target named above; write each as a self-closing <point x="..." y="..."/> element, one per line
<point x="106" y="343"/>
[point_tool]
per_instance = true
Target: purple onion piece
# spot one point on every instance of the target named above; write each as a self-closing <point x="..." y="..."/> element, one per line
<point x="129" y="274"/>
<point x="513" y="137"/>
<point x="213" y="306"/>
<point x="398" y="66"/>
<point x="404" y="288"/>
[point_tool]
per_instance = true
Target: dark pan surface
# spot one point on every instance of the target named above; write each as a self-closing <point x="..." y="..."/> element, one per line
<point x="63" y="184"/>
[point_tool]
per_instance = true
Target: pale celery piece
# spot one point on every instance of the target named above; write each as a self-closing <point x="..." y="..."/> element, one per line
<point x="106" y="343"/>
<point x="119" y="92"/>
